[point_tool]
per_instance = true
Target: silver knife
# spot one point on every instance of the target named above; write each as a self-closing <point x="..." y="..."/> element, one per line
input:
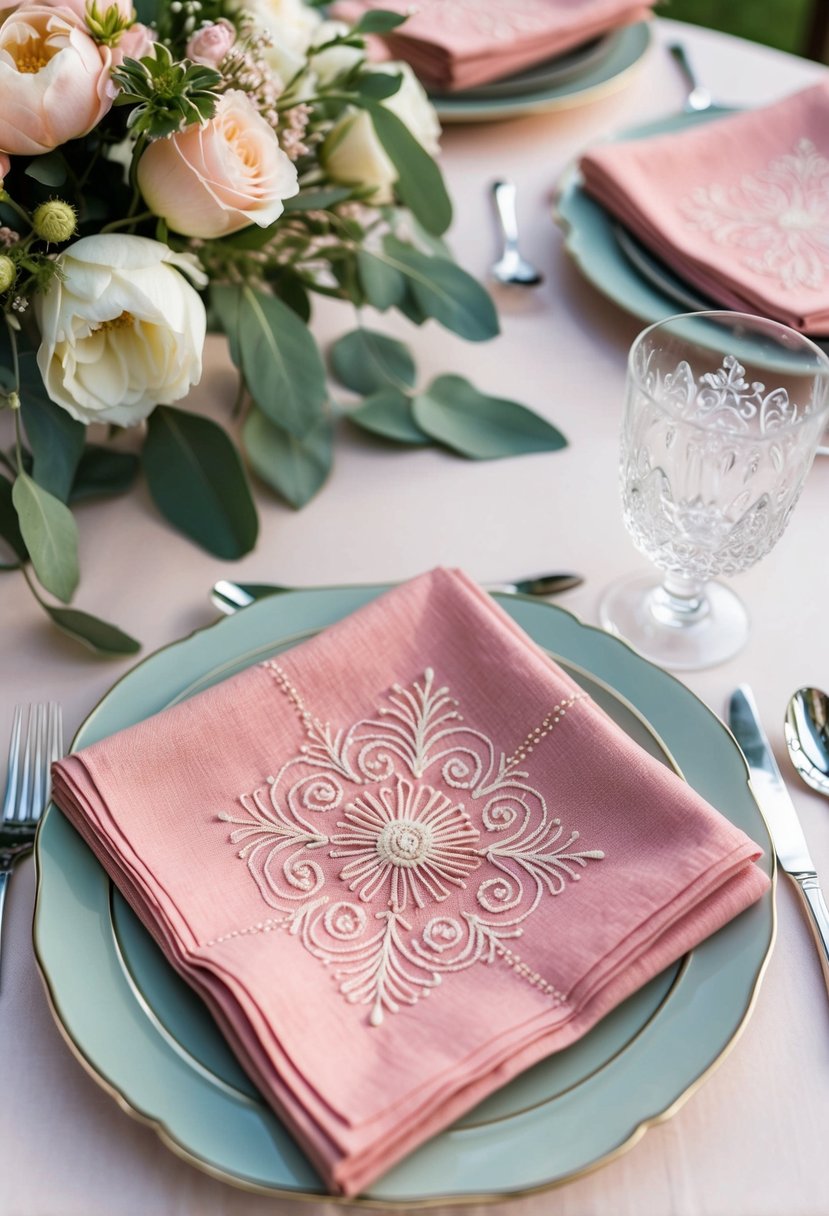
<point x="778" y="810"/>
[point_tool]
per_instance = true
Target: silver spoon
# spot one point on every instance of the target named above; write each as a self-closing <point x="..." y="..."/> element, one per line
<point x="807" y="736"/>
<point x="699" y="97"/>
<point x="510" y="269"/>
<point x="230" y="597"/>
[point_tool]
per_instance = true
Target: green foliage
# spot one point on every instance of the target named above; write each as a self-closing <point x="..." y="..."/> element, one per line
<point x="165" y="95"/>
<point x="9" y="524"/>
<point x="443" y="291"/>
<point x="50" y="535"/>
<point x="366" y="361"/>
<point x="420" y="183"/>
<point x="97" y="635"/>
<point x="197" y="481"/>
<point x="481" y="427"/>
<point x="388" y="413"/>
<point x="277" y="356"/>
<point x="102" y="472"/>
<point x="56" y="441"/>
<point x="296" y="467"/>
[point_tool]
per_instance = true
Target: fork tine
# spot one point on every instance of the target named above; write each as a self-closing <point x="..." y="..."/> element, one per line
<point x="9" y="800"/>
<point x="55" y="746"/>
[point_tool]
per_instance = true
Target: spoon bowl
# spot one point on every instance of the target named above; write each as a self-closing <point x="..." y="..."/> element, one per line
<point x="807" y="737"/>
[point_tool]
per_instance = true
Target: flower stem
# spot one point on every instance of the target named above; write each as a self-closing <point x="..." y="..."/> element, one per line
<point x="129" y="222"/>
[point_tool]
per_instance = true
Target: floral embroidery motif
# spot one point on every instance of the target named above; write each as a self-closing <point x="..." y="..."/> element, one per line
<point x="402" y="844"/>
<point x="778" y="216"/>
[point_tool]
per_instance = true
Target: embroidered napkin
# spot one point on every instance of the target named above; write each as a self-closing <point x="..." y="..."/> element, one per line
<point x="401" y="863"/>
<point x="738" y="206"/>
<point x="457" y="44"/>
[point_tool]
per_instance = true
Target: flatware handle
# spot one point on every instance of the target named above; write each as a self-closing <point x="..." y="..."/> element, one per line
<point x="808" y="888"/>
<point x="504" y="194"/>
<point x="684" y="64"/>
<point x="4" y="880"/>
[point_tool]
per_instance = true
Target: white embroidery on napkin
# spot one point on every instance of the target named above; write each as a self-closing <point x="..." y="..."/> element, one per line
<point x="778" y="216"/>
<point x="406" y="844"/>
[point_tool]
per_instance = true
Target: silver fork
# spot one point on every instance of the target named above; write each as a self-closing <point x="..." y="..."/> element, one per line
<point x="37" y="740"/>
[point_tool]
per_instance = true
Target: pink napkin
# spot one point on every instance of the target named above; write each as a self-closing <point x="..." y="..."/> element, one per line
<point x="457" y="44"/>
<point x="737" y="206"/>
<point x="401" y="863"/>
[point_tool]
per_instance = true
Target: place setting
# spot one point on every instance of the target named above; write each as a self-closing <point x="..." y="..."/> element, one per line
<point x="440" y="883"/>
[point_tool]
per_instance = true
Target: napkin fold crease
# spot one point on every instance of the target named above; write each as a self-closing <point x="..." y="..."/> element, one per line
<point x="737" y="206"/>
<point x="460" y="44"/>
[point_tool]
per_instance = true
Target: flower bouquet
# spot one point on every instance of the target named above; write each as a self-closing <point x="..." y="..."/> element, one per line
<point x="212" y="165"/>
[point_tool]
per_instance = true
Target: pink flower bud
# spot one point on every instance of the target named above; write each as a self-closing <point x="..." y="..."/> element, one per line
<point x="211" y="43"/>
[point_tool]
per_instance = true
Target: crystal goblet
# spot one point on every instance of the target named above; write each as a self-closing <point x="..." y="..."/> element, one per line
<point x="722" y="417"/>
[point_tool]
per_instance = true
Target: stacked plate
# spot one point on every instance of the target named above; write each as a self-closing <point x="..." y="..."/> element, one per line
<point x="613" y="260"/>
<point x="151" y="1043"/>
<point x="566" y="80"/>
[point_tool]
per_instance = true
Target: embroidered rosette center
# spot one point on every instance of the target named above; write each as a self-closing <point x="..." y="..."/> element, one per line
<point x="357" y="850"/>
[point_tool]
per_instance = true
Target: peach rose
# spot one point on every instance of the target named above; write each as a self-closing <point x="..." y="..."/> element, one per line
<point x="212" y="180"/>
<point x="5" y="165"/>
<point x="211" y="43"/>
<point x="54" y="79"/>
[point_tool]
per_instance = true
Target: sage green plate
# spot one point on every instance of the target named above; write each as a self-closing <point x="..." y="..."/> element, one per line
<point x="148" y="1040"/>
<point x="600" y="74"/>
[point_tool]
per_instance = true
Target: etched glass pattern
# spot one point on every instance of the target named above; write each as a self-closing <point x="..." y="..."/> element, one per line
<point x="712" y="465"/>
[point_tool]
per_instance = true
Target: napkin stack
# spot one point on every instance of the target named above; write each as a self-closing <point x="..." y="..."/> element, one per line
<point x="458" y="44"/>
<point x="401" y="863"/>
<point x="737" y="206"/>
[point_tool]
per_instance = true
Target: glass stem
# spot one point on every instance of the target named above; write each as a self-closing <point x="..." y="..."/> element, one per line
<point x="680" y="602"/>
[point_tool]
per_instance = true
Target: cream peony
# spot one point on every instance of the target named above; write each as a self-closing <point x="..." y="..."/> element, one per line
<point x="211" y="180"/>
<point x="121" y="329"/>
<point x="291" y="25"/>
<point x="337" y="60"/>
<point x="55" y="80"/>
<point x="353" y="154"/>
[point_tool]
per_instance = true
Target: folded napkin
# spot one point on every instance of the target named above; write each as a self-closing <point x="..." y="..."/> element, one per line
<point x="457" y="44"/>
<point x="737" y="206"/>
<point x="416" y="803"/>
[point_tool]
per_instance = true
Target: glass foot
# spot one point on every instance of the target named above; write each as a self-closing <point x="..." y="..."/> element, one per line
<point x="638" y="609"/>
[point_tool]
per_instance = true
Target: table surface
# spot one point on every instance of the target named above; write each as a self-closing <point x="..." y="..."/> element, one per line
<point x="752" y="1140"/>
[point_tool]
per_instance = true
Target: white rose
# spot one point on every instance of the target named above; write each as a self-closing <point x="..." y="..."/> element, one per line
<point x="291" y="25"/>
<point x="121" y="329"/>
<point x="337" y="60"/>
<point x="353" y="154"/>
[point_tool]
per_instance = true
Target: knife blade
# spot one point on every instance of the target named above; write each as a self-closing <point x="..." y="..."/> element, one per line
<point x="779" y="812"/>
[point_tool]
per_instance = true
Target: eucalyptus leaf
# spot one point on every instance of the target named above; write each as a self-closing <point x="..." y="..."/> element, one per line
<point x="481" y="427"/>
<point x="379" y="85"/>
<point x="389" y="413"/>
<point x="49" y="170"/>
<point x="9" y="524"/>
<point x="98" y="635"/>
<point x="296" y="468"/>
<point x="419" y="183"/>
<point x="384" y="286"/>
<point x="198" y="482"/>
<point x="281" y="364"/>
<point x="292" y="292"/>
<point x="378" y="21"/>
<point x="319" y="199"/>
<point x="443" y="291"/>
<point x="102" y="472"/>
<point x="50" y="534"/>
<point x="366" y="361"/>
<point x="56" y="440"/>
<point x="225" y="302"/>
